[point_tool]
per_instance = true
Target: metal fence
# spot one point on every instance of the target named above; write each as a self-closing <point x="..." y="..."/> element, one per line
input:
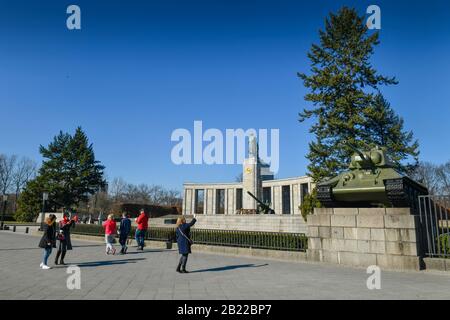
<point x="229" y="238"/>
<point x="251" y="239"/>
<point x="435" y="225"/>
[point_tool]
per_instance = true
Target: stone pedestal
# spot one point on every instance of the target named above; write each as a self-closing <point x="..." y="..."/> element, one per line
<point x="362" y="237"/>
<point x="251" y="181"/>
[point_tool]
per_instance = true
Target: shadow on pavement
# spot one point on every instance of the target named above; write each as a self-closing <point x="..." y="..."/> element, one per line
<point x="88" y="245"/>
<point x="37" y="248"/>
<point x="104" y="263"/>
<point x="226" y="268"/>
<point x="17" y="249"/>
<point x="147" y="251"/>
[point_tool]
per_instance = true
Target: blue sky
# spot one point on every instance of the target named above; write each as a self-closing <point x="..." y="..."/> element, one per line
<point x="140" y="69"/>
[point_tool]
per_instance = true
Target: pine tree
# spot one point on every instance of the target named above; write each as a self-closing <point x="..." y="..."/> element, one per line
<point x="29" y="203"/>
<point x="343" y="89"/>
<point x="384" y="127"/>
<point x="69" y="173"/>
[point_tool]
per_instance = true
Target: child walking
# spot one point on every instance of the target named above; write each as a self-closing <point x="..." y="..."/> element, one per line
<point x="110" y="231"/>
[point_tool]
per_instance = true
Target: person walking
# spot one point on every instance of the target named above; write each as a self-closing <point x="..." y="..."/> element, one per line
<point x="48" y="240"/>
<point x="110" y="231"/>
<point x="124" y="231"/>
<point x="142" y="226"/>
<point x="183" y="235"/>
<point x="63" y="237"/>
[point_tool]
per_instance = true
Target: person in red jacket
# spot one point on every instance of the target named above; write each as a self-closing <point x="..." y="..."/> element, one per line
<point x="142" y="226"/>
<point x="110" y="231"/>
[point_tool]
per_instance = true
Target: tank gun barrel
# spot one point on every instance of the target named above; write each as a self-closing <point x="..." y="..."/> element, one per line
<point x="359" y="152"/>
<point x="265" y="207"/>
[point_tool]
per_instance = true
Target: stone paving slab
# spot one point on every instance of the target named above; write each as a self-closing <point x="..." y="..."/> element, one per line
<point x="151" y="275"/>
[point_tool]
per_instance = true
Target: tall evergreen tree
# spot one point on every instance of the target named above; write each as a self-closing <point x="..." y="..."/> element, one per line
<point x="69" y="173"/>
<point x="30" y="201"/>
<point x="384" y="127"/>
<point x="343" y="88"/>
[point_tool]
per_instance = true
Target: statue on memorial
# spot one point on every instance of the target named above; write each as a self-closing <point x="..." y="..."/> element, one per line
<point x="252" y="147"/>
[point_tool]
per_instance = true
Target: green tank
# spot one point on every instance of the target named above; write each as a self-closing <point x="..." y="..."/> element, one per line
<point x="371" y="181"/>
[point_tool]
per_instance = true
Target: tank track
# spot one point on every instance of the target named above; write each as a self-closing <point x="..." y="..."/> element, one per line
<point x="325" y="196"/>
<point x="404" y="192"/>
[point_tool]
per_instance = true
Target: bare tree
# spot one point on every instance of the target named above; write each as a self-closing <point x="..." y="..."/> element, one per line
<point x="117" y="188"/>
<point x="100" y="202"/>
<point x="435" y="177"/>
<point x="7" y="164"/>
<point x="143" y="194"/>
<point x="444" y="178"/>
<point x="174" y="198"/>
<point x="24" y="171"/>
<point x="426" y="173"/>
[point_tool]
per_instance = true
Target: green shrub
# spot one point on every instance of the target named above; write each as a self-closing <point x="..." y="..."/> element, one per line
<point x="309" y="202"/>
<point x="444" y="244"/>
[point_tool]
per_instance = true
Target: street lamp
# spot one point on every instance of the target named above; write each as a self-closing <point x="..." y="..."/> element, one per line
<point x="5" y="200"/>
<point x="44" y="199"/>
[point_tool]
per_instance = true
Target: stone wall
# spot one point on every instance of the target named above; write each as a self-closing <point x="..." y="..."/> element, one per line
<point x="362" y="237"/>
<point x="269" y="223"/>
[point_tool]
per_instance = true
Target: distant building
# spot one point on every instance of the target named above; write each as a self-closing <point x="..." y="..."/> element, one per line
<point x="282" y="195"/>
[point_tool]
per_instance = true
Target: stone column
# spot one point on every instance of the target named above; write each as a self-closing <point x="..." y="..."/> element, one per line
<point x="213" y="202"/>
<point x="291" y="198"/>
<point x="227" y="199"/>
<point x="193" y="201"/>
<point x="206" y="201"/>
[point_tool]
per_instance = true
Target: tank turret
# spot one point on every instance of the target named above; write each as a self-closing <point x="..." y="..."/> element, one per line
<point x="371" y="181"/>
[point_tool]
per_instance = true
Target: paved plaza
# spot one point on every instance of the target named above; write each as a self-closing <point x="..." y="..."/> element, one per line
<point x="151" y="275"/>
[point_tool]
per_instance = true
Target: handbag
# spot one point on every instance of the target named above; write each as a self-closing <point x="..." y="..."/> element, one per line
<point x="188" y="239"/>
<point x="61" y="236"/>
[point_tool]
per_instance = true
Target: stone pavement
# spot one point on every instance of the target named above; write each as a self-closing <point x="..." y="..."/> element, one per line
<point x="151" y="275"/>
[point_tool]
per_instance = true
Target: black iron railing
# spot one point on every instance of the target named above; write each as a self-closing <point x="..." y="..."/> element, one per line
<point x="435" y="225"/>
<point x="228" y="238"/>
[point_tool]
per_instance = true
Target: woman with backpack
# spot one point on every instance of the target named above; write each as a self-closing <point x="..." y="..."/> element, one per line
<point x="183" y="235"/>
